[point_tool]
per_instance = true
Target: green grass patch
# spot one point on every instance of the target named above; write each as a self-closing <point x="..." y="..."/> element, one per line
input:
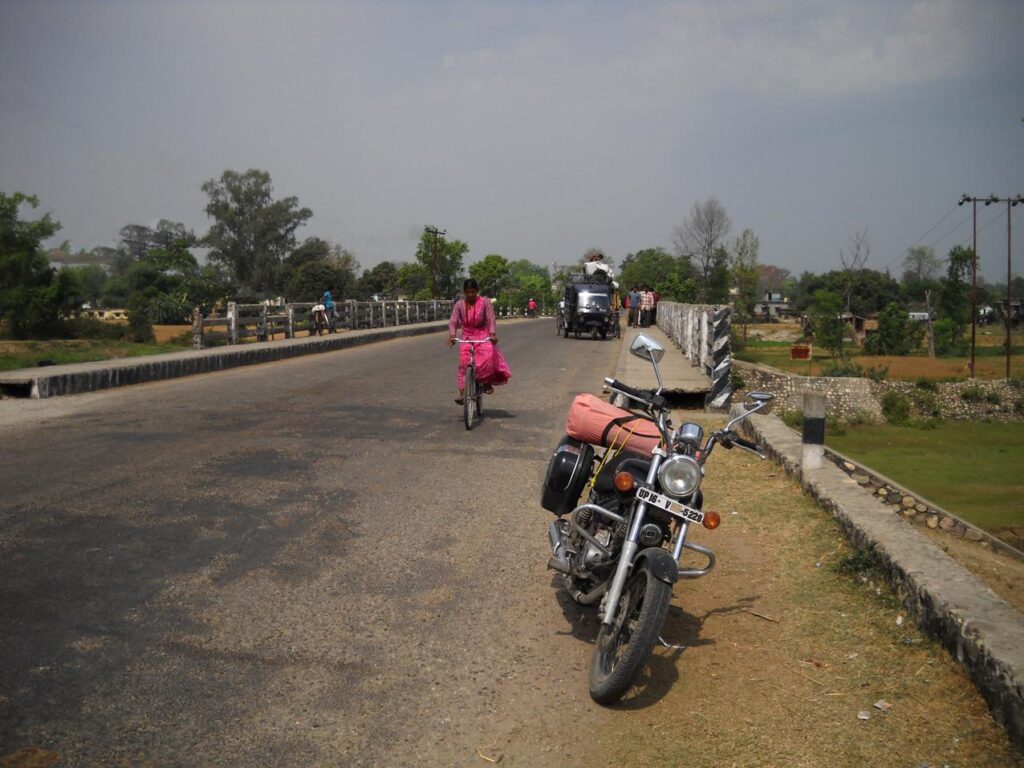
<point x="970" y="468"/>
<point x="30" y="354"/>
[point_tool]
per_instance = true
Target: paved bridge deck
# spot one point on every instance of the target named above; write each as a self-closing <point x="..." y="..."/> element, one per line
<point x="681" y="377"/>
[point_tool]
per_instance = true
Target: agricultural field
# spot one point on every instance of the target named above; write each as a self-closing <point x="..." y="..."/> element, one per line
<point x="29" y="354"/>
<point x="990" y="362"/>
<point x="973" y="469"/>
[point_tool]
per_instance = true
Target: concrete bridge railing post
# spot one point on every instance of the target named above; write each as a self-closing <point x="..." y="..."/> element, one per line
<point x="702" y="333"/>
<point x="813" y="448"/>
<point x="232" y="322"/>
<point x="197" y="328"/>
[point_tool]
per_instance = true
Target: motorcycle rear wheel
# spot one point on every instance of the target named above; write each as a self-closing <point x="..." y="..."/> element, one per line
<point x="622" y="649"/>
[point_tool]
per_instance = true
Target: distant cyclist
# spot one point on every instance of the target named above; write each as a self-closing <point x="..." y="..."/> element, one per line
<point x="328" y="302"/>
<point x="475" y="315"/>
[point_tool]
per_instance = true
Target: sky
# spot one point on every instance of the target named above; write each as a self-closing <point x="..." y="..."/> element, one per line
<point x="530" y="129"/>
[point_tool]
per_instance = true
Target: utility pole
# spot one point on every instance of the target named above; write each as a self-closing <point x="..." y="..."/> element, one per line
<point x="435" y="233"/>
<point x="974" y="278"/>
<point x="1011" y="202"/>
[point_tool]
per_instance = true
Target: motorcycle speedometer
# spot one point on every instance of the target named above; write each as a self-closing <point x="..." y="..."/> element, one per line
<point x="679" y="476"/>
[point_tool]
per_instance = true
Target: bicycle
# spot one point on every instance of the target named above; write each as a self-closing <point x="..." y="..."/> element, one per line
<point x="473" y="395"/>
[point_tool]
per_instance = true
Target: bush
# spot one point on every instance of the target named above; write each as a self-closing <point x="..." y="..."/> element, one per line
<point x="91" y="328"/>
<point x="993" y="398"/>
<point x="139" y="328"/>
<point x="929" y="385"/>
<point x="845" y="368"/>
<point x="793" y="419"/>
<point x="736" y="380"/>
<point x="896" y="408"/>
<point x="1018" y="407"/>
<point x="972" y="394"/>
<point x="926" y="402"/>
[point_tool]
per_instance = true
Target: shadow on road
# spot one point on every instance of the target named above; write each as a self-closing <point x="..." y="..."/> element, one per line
<point x="681" y="629"/>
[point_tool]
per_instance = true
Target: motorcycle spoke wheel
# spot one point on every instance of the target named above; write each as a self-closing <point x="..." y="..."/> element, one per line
<point x="622" y="649"/>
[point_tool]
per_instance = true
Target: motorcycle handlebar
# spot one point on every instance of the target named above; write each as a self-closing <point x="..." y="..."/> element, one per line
<point x="643" y="395"/>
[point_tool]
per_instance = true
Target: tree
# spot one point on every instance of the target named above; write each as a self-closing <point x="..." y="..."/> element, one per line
<point x="308" y="282"/>
<point x="92" y="282"/>
<point x="718" y="278"/>
<point x="442" y="258"/>
<point x="853" y="260"/>
<point x="251" y="232"/>
<point x="700" y="235"/>
<point x="380" y="281"/>
<point x="412" y="278"/>
<point x="673" y="277"/>
<point x="491" y="274"/>
<point x="921" y="264"/>
<point x="895" y="336"/>
<point x="826" y="317"/>
<point x="311" y="249"/>
<point x="920" y="269"/>
<point x="34" y="298"/>
<point x="745" y="273"/>
<point x="954" y="302"/>
<point x="870" y="290"/>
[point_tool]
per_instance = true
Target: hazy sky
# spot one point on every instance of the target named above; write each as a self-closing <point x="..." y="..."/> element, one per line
<point x="530" y="129"/>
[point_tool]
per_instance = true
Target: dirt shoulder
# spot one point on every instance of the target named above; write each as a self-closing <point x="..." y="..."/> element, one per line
<point x="786" y="643"/>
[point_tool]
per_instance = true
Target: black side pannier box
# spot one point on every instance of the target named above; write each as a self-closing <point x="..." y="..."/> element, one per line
<point x="568" y="472"/>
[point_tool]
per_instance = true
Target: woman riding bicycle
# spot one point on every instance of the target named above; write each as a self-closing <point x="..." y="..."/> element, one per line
<point x="475" y="315"/>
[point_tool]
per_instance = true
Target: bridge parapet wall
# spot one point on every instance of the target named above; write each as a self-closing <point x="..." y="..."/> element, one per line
<point x="702" y="333"/>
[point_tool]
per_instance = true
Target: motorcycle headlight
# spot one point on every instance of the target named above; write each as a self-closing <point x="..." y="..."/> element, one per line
<point x="679" y="476"/>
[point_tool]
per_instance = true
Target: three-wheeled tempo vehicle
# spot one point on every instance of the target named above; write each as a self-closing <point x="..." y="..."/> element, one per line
<point x="589" y="306"/>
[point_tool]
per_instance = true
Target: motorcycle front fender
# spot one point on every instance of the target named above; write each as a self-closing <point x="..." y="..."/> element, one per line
<point x="663" y="566"/>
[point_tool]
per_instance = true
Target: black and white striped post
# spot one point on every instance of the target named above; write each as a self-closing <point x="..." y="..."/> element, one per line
<point x="814" y="431"/>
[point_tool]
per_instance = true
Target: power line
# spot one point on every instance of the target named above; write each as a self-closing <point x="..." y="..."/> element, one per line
<point x="950" y="232"/>
<point x="930" y="229"/>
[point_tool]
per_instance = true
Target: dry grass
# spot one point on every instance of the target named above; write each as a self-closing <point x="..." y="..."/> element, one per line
<point x="752" y="692"/>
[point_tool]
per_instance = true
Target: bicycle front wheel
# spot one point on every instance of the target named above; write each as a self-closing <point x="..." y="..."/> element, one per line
<point x="469" y="398"/>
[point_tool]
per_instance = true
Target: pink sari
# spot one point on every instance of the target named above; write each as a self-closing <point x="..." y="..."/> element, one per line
<point x="478" y="323"/>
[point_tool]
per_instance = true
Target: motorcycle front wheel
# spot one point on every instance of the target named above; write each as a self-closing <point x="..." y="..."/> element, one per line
<point x="622" y="648"/>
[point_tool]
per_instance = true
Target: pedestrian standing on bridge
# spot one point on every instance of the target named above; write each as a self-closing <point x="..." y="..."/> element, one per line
<point x="633" y="297"/>
<point x="475" y="315"/>
<point x="646" y="306"/>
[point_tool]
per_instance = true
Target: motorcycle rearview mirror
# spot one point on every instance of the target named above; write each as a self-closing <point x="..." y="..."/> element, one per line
<point x="646" y="348"/>
<point x="758" y="399"/>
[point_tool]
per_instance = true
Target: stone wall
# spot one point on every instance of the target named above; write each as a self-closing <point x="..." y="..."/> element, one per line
<point x="844" y="397"/>
<point x="848" y="397"/>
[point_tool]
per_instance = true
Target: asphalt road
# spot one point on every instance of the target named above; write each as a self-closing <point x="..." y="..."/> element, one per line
<point x="309" y="562"/>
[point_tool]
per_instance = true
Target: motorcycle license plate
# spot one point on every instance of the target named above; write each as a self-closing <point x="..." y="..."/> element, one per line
<point x="674" y="508"/>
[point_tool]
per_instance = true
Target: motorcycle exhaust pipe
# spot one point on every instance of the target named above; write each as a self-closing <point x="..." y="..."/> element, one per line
<point x="559" y="561"/>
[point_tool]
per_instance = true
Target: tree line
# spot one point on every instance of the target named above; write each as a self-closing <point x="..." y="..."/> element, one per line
<point x="253" y="252"/>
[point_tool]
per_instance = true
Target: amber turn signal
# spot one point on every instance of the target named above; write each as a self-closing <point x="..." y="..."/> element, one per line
<point x="624" y="482"/>
<point x="711" y="520"/>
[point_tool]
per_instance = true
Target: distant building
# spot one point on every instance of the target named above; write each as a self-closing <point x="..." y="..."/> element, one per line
<point x="774" y="307"/>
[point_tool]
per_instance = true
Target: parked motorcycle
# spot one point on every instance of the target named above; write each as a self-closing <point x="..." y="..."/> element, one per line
<point x="620" y="550"/>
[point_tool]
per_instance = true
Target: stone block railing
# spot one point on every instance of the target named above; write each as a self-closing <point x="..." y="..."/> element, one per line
<point x="702" y="333"/>
<point x="264" y="321"/>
